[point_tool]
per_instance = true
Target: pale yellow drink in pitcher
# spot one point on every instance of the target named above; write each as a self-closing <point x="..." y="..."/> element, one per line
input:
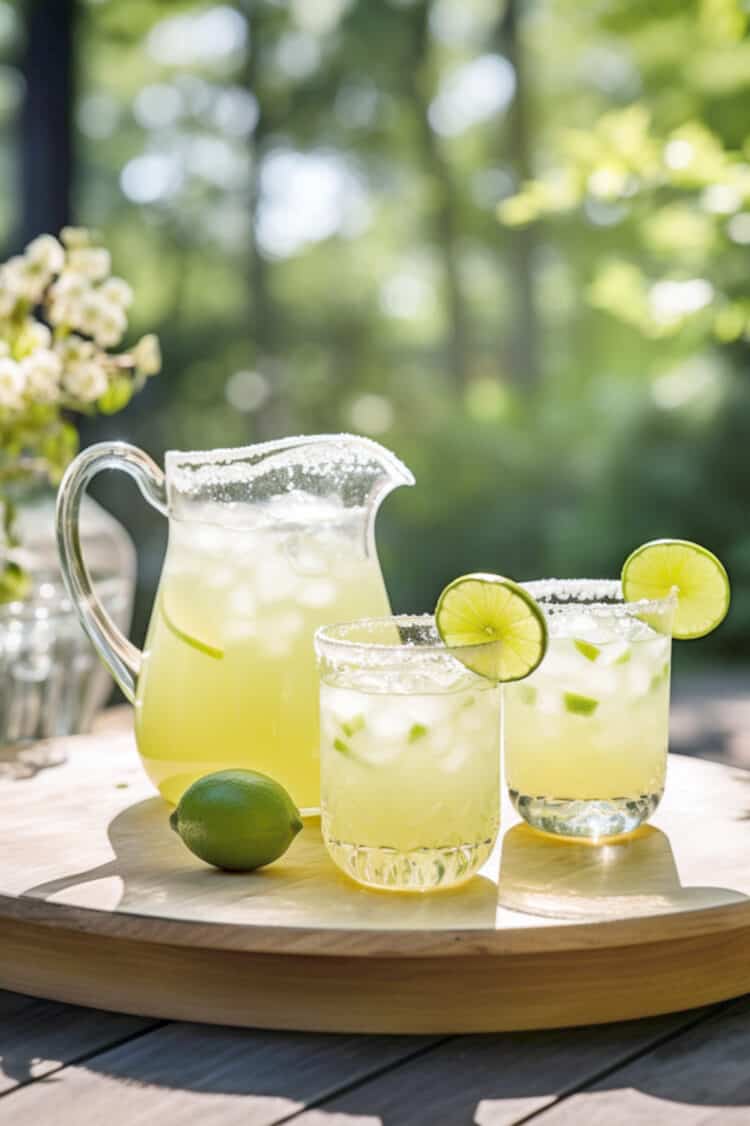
<point x="266" y="544"/>
<point x="228" y="675"/>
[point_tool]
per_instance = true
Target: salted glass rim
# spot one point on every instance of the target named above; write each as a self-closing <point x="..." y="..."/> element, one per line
<point x="596" y="596"/>
<point x="330" y="640"/>
<point x="335" y="636"/>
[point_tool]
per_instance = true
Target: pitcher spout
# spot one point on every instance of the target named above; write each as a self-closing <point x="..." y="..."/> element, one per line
<point x="369" y="471"/>
<point x="359" y="474"/>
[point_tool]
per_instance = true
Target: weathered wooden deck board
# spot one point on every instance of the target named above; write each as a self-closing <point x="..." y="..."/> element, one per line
<point x="493" y="1080"/>
<point x="39" y="1037"/>
<point x="686" y="1069"/>
<point x="700" y="1078"/>
<point x="221" y="1076"/>
<point x="206" y="1075"/>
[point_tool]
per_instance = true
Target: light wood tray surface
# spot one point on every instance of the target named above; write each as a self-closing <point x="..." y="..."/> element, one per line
<point x="101" y="904"/>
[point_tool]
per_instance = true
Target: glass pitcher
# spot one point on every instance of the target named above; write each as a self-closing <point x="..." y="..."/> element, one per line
<point x="266" y="544"/>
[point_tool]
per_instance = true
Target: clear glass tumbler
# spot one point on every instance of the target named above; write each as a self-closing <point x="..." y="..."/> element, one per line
<point x="410" y="755"/>
<point x="586" y="735"/>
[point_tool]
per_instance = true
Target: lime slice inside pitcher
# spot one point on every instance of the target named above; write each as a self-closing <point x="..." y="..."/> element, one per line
<point x="201" y="644"/>
<point x="479" y="609"/>
<point x="696" y="576"/>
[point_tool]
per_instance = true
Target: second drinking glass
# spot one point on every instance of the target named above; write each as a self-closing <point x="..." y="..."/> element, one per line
<point x="586" y="735"/>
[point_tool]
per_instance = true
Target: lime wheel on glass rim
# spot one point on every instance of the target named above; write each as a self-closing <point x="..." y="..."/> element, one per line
<point x="693" y="573"/>
<point x="492" y="625"/>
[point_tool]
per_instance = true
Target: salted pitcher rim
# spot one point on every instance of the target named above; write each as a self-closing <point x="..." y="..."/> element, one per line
<point x="260" y="450"/>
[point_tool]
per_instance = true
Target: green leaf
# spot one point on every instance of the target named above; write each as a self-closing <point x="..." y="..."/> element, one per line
<point x="117" y="395"/>
<point x="417" y="731"/>
<point x="58" y="446"/>
<point x="14" y="583"/>
<point x="10" y="512"/>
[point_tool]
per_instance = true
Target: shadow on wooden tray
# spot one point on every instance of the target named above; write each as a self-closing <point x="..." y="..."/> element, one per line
<point x="630" y="877"/>
<point x="152" y="873"/>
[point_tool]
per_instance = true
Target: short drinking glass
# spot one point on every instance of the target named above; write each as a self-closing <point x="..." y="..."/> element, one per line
<point x="586" y="735"/>
<point x="410" y="755"/>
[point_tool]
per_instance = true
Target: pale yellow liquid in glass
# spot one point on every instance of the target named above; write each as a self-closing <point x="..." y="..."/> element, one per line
<point x="252" y="599"/>
<point x="582" y="729"/>
<point x="410" y="789"/>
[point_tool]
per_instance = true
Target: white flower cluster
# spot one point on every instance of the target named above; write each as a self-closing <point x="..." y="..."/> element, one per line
<point x="60" y="311"/>
<point x="26" y="276"/>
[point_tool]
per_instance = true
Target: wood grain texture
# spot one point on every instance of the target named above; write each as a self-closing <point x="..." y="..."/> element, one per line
<point x="206" y="1076"/>
<point x="492" y="1080"/>
<point x="101" y="904"/>
<point x="399" y="995"/>
<point x="39" y="1037"/>
<point x="700" y="1078"/>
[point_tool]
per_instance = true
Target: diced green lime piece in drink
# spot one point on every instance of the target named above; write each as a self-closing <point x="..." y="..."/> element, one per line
<point x="589" y="651"/>
<point x="351" y="726"/>
<point x="492" y="625"/>
<point x="344" y="749"/>
<point x="417" y="731"/>
<point x="624" y="657"/>
<point x="579" y="705"/>
<point x="659" y="677"/>
<point x="694" y="574"/>
<point x="194" y="642"/>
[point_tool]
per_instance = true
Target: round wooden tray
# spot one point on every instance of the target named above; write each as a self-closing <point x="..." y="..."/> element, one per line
<point x="100" y="904"/>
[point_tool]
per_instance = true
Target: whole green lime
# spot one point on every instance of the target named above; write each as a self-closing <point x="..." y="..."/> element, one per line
<point x="236" y="819"/>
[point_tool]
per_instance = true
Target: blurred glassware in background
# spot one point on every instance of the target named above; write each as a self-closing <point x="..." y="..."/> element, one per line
<point x="51" y="682"/>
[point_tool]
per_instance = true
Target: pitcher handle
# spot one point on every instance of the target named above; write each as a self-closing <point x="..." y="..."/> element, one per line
<point x="122" y="658"/>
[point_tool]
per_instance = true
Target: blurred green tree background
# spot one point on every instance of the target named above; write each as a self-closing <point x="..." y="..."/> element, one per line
<point x="510" y="241"/>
